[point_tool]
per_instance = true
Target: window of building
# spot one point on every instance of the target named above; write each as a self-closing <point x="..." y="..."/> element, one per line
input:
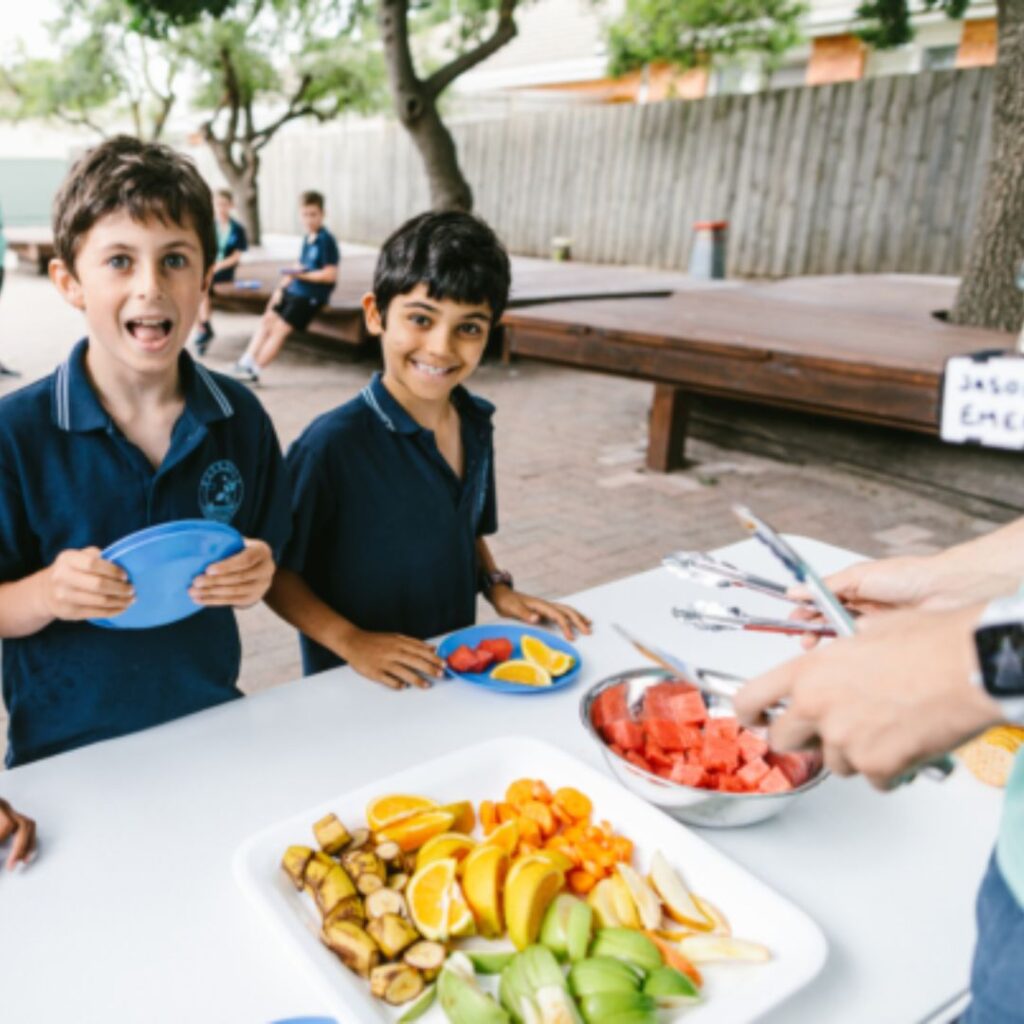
<point x="939" y="58"/>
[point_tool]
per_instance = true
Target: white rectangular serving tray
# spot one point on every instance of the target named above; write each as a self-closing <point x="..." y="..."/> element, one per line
<point x="733" y="993"/>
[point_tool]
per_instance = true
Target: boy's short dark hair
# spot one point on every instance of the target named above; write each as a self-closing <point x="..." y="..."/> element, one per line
<point x="146" y="180"/>
<point x="226" y="193"/>
<point x="312" y="199"/>
<point x="456" y="255"/>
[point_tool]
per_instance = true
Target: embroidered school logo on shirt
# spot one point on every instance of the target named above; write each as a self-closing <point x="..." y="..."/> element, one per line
<point x="221" y="491"/>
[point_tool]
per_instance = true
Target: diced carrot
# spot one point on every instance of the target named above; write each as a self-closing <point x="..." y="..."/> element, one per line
<point x="525" y="849"/>
<point x="561" y="814"/>
<point x="576" y="804"/>
<point x="506" y="812"/>
<point x="592" y="867"/>
<point x="594" y="834"/>
<point x="674" y="958"/>
<point x="488" y="816"/>
<point x="541" y="814"/>
<point x="541" y="791"/>
<point x="581" y="881"/>
<point x="565" y="848"/>
<point x="529" y="831"/>
<point x="622" y="848"/>
<point x="519" y="792"/>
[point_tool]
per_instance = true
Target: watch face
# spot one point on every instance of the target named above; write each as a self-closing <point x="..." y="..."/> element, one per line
<point x="1001" y="659"/>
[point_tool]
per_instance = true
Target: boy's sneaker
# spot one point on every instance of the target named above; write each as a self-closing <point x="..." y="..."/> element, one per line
<point x="201" y="341"/>
<point x="245" y="372"/>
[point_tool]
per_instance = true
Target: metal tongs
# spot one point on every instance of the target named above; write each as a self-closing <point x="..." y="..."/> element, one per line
<point x="831" y="608"/>
<point x="697" y="567"/>
<point x="715" y="617"/>
<point x="707" y="680"/>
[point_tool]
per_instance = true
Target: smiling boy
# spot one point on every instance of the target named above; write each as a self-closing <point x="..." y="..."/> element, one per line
<point x="393" y="492"/>
<point x="127" y="433"/>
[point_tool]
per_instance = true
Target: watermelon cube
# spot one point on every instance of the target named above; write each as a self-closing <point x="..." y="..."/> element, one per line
<point x="641" y="762"/>
<point x="753" y="772"/>
<point x="752" y="746"/>
<point x="688" y="775"/>
<point x="731" y="784"/>
<point x="657" y="698"/>
<point x="797" y="767"/>
<point x="774" y="782"/>
<point x="656" y="755"/>
<point x="688" y="708"/>
<point x="664" y="732"/>
<point x="626" y="734"/>
<point x="720" y="753"/>
<point x="727" y="727"/>
<point x="610" y="706"/>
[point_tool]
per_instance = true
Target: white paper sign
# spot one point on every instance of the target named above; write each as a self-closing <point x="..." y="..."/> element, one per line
<point x="983" y="401"/>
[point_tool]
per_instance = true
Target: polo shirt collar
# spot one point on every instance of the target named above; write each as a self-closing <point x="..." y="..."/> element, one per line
<point x="394" y="417"/>
<point x="76" y="408"/>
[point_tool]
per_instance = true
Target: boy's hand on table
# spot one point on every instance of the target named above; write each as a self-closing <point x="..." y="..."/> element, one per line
<point x="392" y="659"/>
<point x="881" y="702"/>
<point x="24" y="831"/>
<point x="239" y="581"/>
<point x="514" y="605"/>
<point x="79" y="584"/>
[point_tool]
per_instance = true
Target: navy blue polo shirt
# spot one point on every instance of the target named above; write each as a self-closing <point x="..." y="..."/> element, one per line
<point x="230" y="240"/>
<point x="70" y="479"/>
<point x="317" y="252"/>
<point x="383" y="530"/>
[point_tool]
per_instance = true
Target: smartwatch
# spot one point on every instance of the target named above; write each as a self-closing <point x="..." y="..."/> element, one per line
<point x="999" y="642"/>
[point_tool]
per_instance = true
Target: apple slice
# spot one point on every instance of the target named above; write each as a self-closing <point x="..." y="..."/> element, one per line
<point x="678" y="902"/>
<point x="706" y="949"/>
<point x="625" y="905"/>
<point x="602" y="901"/>
<point x="648" y="906"/>
<point x="721" y="922"/>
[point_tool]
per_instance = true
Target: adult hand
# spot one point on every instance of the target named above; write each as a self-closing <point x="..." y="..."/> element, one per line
<point x="896" y="694"/>
<point x="79" y="584"/>
<point x="391" y="659"/>
<point x="24" y="831"/>
<point x="514" y="605"/>
<point x="239" y="581"/>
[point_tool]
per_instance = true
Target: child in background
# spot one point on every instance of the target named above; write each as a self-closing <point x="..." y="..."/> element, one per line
<point x="127" y="433"/>
<point x="232" y="241"/>
<point x="393" y="492"/>
<point x="300" y="296"/>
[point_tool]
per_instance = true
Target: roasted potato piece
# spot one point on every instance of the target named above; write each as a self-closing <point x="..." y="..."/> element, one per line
<point x="350" y="909"/>
<point x="294" y="863"/>
<point x="427" y="957"/>
<point x="368" y="884"/>
<point x="335" y="887"/>
<point x="354" y="947"/>
<point x="317" y="869"/>
<point x="390" y="853"/>
<point x="398" y="881"/>
<point x="396" y="983"/>
<point x="392" y="933"/>
<point x="332" y="836"/>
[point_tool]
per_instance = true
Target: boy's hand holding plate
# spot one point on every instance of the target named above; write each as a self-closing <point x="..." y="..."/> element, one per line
<point x="81" y="584"/>
<point x="238" y="581"/>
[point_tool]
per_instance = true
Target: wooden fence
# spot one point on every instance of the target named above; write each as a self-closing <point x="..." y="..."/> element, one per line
<point x="878" y="175"/>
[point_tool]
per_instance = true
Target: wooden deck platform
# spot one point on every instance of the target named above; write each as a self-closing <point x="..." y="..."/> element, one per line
<point x="862" y="348"/>
<point x="534" y="281"/>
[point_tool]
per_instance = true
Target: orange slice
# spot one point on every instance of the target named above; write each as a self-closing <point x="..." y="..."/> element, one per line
<point x="447" y="844"/>
<point x="385" y="810"/>
<point x="483" y="880"/>
<point x="436" y="904"/>
<point x="465" y="816"/>
<point x="555" y="662"/>
<point x="506" y="836"/>
<point x="412" y="832"/>
<point x="524" y="672"/>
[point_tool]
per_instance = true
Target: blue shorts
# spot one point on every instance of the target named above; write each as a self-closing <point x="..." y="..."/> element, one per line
<point x="997" y="975"/>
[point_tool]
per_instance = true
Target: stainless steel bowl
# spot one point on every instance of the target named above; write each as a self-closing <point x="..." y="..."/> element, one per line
<point x="687" y="803"/>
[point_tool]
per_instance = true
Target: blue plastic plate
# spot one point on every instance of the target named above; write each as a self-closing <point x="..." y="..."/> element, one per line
<point x="161" y="562"/>
<point x="474" y="634"/>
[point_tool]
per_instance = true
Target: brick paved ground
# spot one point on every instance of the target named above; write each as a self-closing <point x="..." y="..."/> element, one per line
<point x="575" y="507"/>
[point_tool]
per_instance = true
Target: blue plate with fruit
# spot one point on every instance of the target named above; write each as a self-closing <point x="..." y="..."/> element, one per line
<point x="533" y="661"/>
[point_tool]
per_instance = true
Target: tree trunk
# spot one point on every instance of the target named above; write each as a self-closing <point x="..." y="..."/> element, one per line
<point x="417" y="111"/>
<point x="243" y="184"/>
<point x="449" y="189"/>
<point x="988" y="295"/>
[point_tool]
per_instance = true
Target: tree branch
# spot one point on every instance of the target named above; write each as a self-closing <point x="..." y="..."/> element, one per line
<point x="294" y="110"/>
<point x="504" y="32"/>
<point x="79" y="121"/>
<point x="233" y="94"/>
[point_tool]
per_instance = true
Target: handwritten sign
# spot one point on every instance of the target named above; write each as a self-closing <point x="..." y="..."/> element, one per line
<point x="983" y="401"/>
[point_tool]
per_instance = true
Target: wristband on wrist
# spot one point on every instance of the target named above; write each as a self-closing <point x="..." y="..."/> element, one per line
<point x="490" y="580"/>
